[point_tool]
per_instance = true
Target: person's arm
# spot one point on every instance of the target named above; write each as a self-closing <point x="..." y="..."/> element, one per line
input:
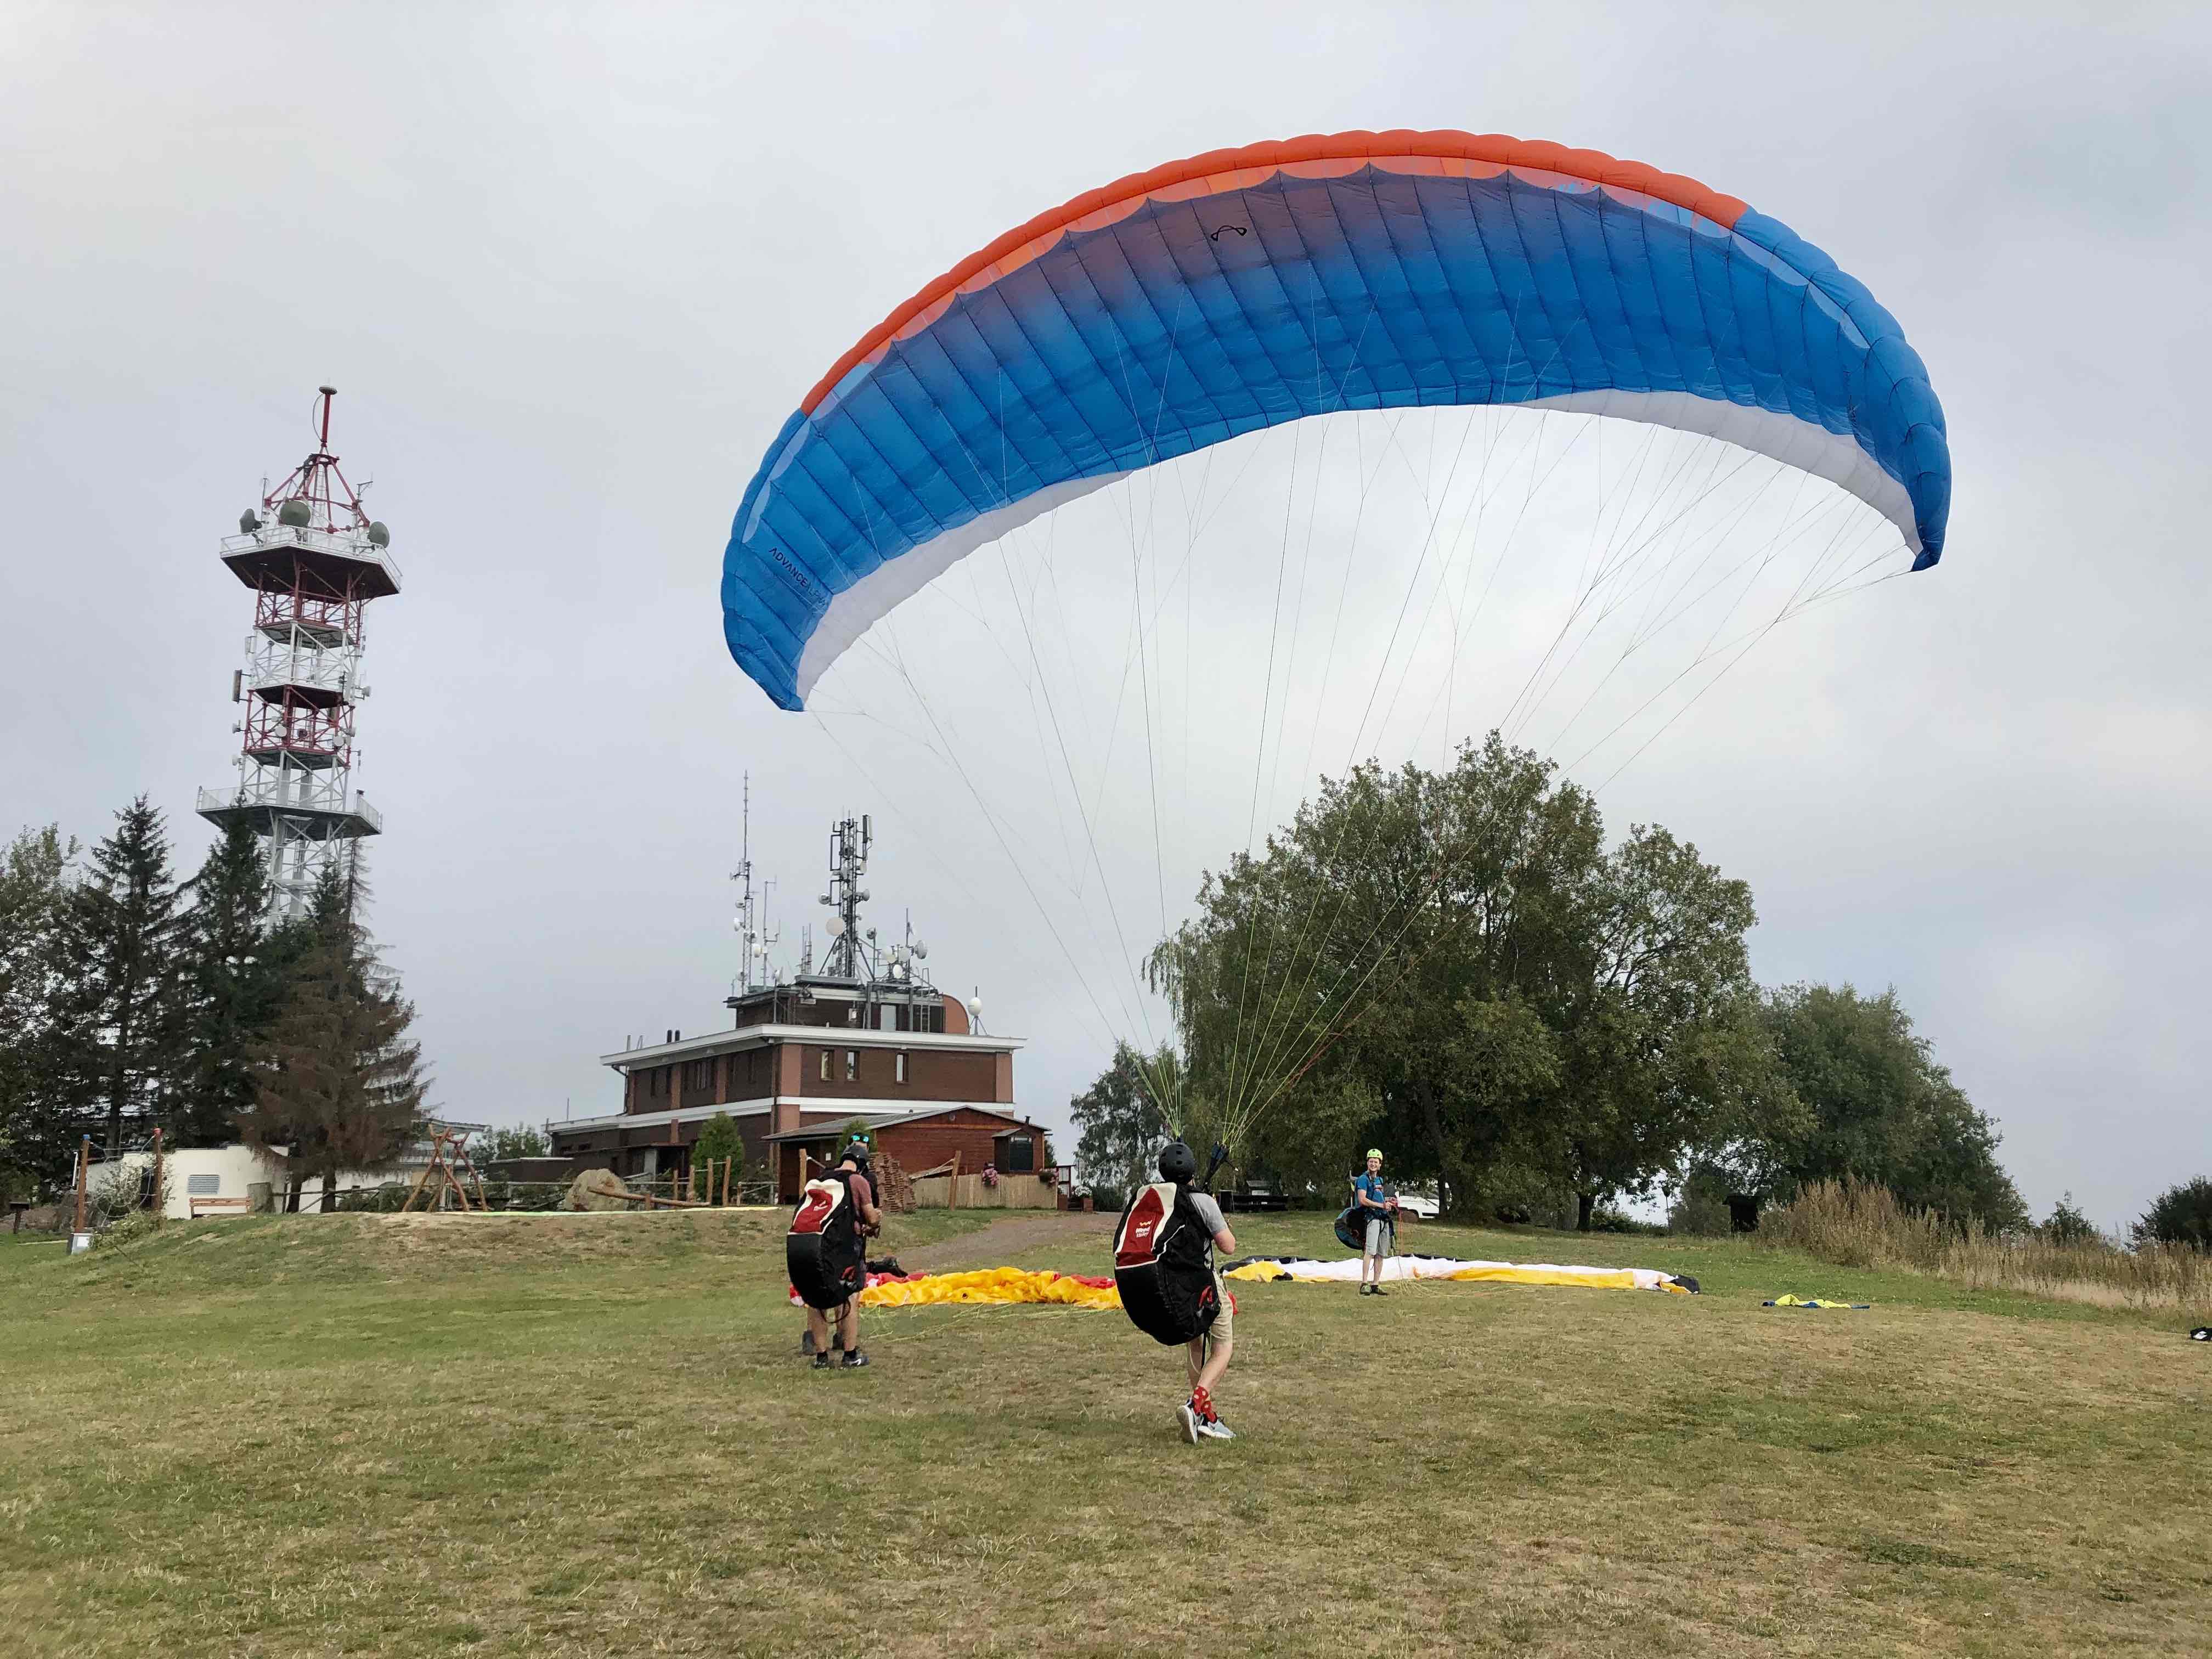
<point x="869" y="1213"/>
<point x="1225" y="1242"/>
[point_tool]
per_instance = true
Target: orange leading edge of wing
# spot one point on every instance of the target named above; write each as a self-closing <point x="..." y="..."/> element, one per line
<point x="1320" y="154"/>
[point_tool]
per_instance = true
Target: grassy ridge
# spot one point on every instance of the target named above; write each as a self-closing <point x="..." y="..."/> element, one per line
<point x="394" y="1435"/>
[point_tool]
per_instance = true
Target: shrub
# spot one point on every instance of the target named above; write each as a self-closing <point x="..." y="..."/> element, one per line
<point x="719" y="1140"/>
<point x="2067" y="1224"/>
<point x="1607" y="1219"/>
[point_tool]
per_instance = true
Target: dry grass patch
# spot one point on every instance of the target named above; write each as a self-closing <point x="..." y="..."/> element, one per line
<point x="1858" y="1225"/>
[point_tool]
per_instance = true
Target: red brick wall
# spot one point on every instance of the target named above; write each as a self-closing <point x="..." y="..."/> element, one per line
<point x="930" y="1076"/>
<point x="925" y="1145"/>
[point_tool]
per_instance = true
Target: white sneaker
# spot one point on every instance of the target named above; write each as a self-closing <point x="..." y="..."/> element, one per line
<point x="1214" y="1428"/>
<point x="1192" y="1425"/>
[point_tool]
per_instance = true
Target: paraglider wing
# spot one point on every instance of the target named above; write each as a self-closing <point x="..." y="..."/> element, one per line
<point x="1246" y="287"/>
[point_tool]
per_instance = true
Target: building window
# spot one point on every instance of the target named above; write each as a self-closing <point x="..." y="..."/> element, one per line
<point x="825" y="1065"/>
<point x="898" y="1066"/>
<point x="1021" y="1155"/>
<point x="852" y="1064"/>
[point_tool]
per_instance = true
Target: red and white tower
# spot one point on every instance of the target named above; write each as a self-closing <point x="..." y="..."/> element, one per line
<point x="314" y="559"/>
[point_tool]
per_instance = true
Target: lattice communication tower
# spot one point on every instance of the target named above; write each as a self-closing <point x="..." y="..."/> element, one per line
<point x="314" y="559"/>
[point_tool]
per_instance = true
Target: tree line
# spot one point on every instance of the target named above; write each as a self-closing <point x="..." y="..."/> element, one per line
<point x="1457" y="965"/>
<point x="132" y="1000"/>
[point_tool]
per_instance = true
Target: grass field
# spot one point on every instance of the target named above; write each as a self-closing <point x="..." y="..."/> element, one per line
<point x="593" y="1435"/>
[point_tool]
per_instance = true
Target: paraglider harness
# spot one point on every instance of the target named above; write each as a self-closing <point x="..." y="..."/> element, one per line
<point x="1164" y="1260"/>
<point x="1352" y="1224"/>
<point x="826" y="1250"/>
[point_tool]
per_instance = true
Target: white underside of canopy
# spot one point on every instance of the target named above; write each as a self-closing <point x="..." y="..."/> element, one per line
<point x="1346" y="1271"/>
<point x="1836" y="457"/>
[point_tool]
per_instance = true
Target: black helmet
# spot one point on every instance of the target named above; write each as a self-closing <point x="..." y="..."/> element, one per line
<point x="1177" y="1162"/>
<point x="858" y="1151"/>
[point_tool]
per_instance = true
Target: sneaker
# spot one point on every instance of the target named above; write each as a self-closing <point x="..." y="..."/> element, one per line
<point x="1377" y="1290"/>
<point x="822" y="1362"/>
<point x="1191" y="1422"/>
<point x="1214" y="1428"/>
<point x="854" y="1360"/>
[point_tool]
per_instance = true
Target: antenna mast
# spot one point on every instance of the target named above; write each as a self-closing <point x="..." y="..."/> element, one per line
<point x="849" y="842"/>
<point x="315" y="560"/>
<point x="753" y="941"/>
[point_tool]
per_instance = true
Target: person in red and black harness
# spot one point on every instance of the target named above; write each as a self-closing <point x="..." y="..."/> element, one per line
<point x="1206" y="1357"/>
<point x="853" y="1170"/>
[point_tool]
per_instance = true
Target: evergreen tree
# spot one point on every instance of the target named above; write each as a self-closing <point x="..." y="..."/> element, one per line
<point x="230" y="989"/>
<point x="342" y="1086"/>
<point x="37" y="1130"/>
<point x="121" y="1026"/>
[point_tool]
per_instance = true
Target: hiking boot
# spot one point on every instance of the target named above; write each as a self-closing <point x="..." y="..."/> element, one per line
<point x="1190" y="1421"/>
<point x="1377" y="1290"/>
<point x="854" y="1360"/>
<point x="1214" y="1428"/>
<point x="822" y="1362"/>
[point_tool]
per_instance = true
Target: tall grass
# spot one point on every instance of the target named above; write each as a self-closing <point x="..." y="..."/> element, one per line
<point x="1859" y="1225"/>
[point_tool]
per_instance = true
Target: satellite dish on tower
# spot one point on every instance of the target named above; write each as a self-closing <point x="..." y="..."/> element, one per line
<point x="836" y="925"/>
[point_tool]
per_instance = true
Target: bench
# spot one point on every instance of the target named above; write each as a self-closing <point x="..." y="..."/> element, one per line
<point x="201" y="1206"/>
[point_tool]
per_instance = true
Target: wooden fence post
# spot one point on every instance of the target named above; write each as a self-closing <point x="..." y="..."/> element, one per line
<point x="84" y="1169"/>
<point x="160" y="1209"/>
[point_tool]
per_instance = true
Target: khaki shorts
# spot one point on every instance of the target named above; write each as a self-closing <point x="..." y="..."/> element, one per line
<point x="1223" y="1331"/>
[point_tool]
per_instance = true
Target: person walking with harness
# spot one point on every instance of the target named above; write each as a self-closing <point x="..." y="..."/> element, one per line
<point x="1380" y="1212"/>
<point x="853" y="1170"/>
<point x="1205" y="1357"/>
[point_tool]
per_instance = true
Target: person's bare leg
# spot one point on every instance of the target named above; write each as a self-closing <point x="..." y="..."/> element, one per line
<point x="818" y="1327"/>
<point x="1217" y="1362"/>
<point x="849" y="1324"/>
<point x="1194" y="1355"/>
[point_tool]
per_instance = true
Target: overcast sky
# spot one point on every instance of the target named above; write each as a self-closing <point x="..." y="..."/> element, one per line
<point x="571" y="268"/>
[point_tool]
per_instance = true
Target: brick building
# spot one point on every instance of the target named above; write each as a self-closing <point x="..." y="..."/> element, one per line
<point x="800" y="1063"/>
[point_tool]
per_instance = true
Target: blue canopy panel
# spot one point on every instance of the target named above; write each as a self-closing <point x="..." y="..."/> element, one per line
<point x="1137" y="327"/>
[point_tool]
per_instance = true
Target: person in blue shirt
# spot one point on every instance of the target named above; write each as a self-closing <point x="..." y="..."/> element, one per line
<point x="1381" y="1212"/>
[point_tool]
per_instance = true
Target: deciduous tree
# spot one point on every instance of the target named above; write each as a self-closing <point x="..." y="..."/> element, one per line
<point x="1881" y="1110"/>
<point x="36" y="1122"/>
